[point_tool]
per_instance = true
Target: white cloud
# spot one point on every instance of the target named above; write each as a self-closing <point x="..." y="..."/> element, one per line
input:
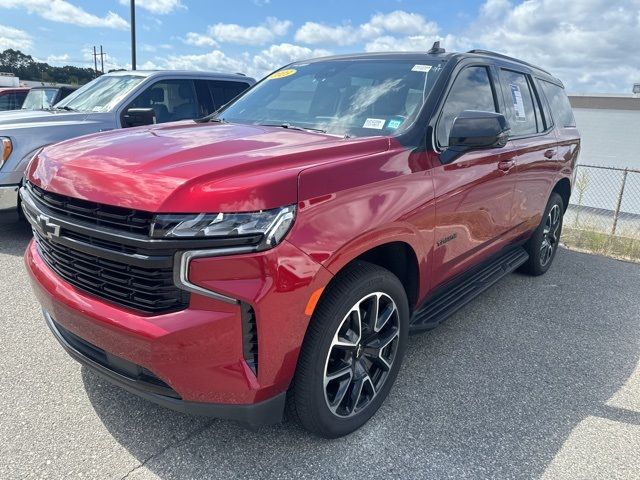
<point x="58" y="58"/>
<point x="159" y="7"/>
<point x="278" y="55"/>
<point x="378" y="26"/>
<point x="400" y="22"/>
<point x="256" y="35"/>
<point x="199" y="40"/>
<point x="592" y="45"/>
<point x="313" y="33"/>
<point x="233" y="33"/>
<point x="13" y="38"/>
<point x="256" y="65"/>
<point x="214" y="60"/>
<point x="65" y="12"/>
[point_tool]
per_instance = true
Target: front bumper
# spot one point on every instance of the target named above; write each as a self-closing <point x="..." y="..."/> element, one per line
<point x="198" y="351"/>
<point x="262" y="413"/>
<point x="9" y="198"/>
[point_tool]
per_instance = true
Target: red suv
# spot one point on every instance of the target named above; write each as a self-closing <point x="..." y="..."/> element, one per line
<point x="286" y="246"/>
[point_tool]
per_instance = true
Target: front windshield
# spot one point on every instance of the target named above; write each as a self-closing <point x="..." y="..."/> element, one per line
<point x="39" y="99"/>
<point x="340" y="97"/>
<point x="101" y="94"/>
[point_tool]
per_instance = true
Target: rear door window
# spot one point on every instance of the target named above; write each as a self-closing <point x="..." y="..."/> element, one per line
<point x="522" y="108"/>
<point x="471" y="90"/>
<point x="559" y="104"/>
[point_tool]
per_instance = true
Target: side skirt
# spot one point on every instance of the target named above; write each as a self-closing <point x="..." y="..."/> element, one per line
<point x="453" y="295"/>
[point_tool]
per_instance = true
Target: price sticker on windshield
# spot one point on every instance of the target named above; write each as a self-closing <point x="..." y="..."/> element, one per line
<point x="375" y="123"/>
<point x="282" y="74"/>
<point x="421" y="68"/>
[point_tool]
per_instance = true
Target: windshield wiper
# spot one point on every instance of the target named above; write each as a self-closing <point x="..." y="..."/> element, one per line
<point x="292" y="127"/>
<point x="68" y="109"/>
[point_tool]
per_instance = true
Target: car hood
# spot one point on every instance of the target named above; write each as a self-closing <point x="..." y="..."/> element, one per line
<point x="20" y="118"/>
<point x="191" y="167"/>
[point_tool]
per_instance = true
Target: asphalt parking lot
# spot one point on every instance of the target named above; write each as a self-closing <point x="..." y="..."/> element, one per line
<point x="540" y="377"/>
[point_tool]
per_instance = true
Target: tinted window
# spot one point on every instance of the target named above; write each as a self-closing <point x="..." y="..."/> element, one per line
<point x="19" y="99"/>
<point x="470" y="91"/>
<point x="172" y="100"/>
<point x="523" y="113"/>
<point x="205" y="100"/>
<point x="559" y="103"/>
<point x="6" y="101"/>
<point x="225" y="91"/>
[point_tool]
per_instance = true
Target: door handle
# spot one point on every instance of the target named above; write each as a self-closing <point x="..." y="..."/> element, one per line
<point x="506" y="165"/>
<point x="549" y="154"/>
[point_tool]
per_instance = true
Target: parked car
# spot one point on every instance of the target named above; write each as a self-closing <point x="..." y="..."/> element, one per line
<point x="43" y="98"/>
<point x="114" y="100"/>
<point x="288" y="245"/>
<point x="12" y="98"/>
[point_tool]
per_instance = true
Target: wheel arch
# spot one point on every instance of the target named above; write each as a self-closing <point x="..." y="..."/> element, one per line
<point x="399" y="257"/>
<point x="563" y="188"/>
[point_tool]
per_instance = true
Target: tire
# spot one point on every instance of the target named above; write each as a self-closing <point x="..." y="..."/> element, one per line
<point x="543" y="244"/>
<point x="364" y="367"/>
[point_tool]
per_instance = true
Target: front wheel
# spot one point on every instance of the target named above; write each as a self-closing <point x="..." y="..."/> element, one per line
<point x="352" y="351"/>
<point x="543" y="244"/>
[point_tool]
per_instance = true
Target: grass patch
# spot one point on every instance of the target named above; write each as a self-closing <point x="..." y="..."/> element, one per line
<point x="627" y="248"/>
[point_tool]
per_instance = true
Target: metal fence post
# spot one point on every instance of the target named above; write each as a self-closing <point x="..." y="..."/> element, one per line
<point x="616" y="214"/>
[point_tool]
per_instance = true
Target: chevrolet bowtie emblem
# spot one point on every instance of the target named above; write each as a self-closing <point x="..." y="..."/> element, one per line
<point x="47" y="227"/>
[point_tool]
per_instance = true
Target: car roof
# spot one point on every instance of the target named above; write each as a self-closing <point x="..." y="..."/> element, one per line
<point x="417" y="56"/>
<point x="13" y="89"/>
<point x="183" y="73"/>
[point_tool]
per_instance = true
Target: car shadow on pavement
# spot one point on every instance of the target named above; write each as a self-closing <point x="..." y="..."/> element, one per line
<point x="494" y="392"/>
<point x="14" y="235"/>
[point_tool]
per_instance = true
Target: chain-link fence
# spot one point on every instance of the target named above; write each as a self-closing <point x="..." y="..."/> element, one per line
<point x="604" y="211"/>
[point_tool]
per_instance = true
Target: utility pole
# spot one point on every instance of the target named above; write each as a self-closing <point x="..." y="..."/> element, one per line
<point x="95" y="60"/>
<point x="133" y="34"/>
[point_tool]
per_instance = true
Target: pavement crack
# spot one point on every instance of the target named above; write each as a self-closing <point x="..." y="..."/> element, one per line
<point x="169" y="446"/>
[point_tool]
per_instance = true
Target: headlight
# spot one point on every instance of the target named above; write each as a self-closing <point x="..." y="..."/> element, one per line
<point x="268" y="227"/>
<point x="7" y="148"/>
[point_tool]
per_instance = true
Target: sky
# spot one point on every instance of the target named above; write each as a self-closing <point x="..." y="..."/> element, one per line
<point x="592" y="45"/>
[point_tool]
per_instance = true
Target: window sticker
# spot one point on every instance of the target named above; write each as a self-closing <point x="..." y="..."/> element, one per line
<point x="282" y="73"/>
<point x="518" y="104"/>
<point x="421" y="68"/>
<point x="394" y="124"/>
<point x="375" y="123"/>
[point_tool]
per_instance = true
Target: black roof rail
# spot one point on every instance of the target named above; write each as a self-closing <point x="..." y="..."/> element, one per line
<point x="489" y="53"/>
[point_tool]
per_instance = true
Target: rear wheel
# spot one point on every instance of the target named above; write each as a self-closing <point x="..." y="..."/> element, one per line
<point x="352" y="352"/>
<point x="543" y="244"/>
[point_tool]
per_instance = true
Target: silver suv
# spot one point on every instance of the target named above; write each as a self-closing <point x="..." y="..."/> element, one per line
<point x="115" y="100"/>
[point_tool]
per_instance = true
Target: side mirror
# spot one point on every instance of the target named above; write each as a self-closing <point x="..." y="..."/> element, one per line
<point x="136" y="117"/>
<point x="474" y="130"/>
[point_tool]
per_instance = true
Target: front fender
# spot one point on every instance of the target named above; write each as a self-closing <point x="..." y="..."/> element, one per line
<point x="348" y="208"/>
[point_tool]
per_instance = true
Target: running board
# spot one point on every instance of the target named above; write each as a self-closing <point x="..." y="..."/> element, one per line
<point x="457" y="293"/>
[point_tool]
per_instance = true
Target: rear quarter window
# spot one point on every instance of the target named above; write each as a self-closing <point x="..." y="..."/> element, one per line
<point x="559" y="104"/>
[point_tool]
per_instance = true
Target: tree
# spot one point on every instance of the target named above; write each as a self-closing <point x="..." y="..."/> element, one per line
<point x="25" y="67"/>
